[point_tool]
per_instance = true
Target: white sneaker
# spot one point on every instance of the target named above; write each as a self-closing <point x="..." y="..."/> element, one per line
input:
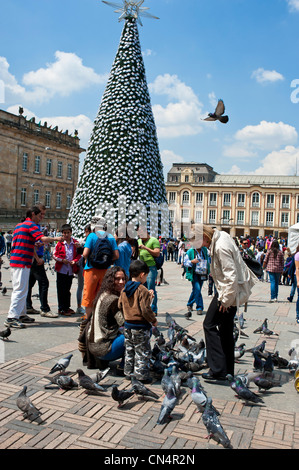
<point x="49" y="314"/>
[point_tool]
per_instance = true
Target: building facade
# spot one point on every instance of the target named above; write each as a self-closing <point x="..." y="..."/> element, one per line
<point x="37" y="164"/>
<point x="239" y="204"/>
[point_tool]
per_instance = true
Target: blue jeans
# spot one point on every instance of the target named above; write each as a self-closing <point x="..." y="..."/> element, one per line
<point x="297" y="304"/>
<point x="274" y="283"/>
<point x="151" y="284"/>
<point x="196" y="296"/>
<point x="117" y="350"/>
<point x="293" y="288"/>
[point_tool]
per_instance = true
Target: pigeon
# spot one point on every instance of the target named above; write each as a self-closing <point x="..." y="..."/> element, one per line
<point x="4" y="334"/>
<point x="86" y="382"/>
<point x="166" y="382"/>
<point x="263" y="325"/>
<point x="265" y="383"/>
<point x="242" y="391"/>
<point x="218" y="113"/>
<point x="213" y="425"/>
<point x="4" y="290"/>
<point x="121" y="395"/>
<point x="168" y="405"/>
<point x="239" y="351"/>
<point x="198" y="395"/>
<point x="62" y="364"/>
<point x="268" y="332"/>
<point x="279" y="361"/>
<point x="140" y="389"/>
<point x="160" y="340"/>
<point x="25" y="404"/>
<point x="64" y="381"/>
<point x="177" y="381"/>
<point x="259" y="348"/>
<point x="100" y="375"/>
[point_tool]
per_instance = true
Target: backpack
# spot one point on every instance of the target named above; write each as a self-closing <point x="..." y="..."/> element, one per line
<point x="159" y="260"/>
<point x="101" y="256"/>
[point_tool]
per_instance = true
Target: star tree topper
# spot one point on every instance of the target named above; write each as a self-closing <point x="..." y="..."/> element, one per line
<point x="131" y="9"/>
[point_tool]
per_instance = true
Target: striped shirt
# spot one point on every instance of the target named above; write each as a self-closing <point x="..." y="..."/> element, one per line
<point x="25" y="235"/>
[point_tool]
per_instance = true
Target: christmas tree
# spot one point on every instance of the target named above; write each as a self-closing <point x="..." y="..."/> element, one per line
<point x="122" y="175"/>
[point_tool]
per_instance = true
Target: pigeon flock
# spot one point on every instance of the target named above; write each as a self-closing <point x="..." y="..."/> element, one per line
<point x="176" y="360"/>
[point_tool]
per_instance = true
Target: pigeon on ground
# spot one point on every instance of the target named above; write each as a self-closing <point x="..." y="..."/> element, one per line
<point x="268" y="332"/>
<point x="4" y="334"/>
<point x="242" y="391"/>
<point x="213" y="425"/>
<point x="279" y="362"/>
<point x="168" y="405"/>
<point x="100" y="375"/>
<point x="259" y="348"/>
<point x="263" y="383"/>
<point x="121" y="395"/>
<point x="239" y="351"/>
<point x="64" y="382"/>
<point x="248" y="377"/>
<point x="25" y="404"/>
<point x="263" y="325"/>
<point x="160" y="340"/>
<point x="86" y="382"/>
<point x="177" y="381"/>
<point x="166" y="382"/>
<point x="140" y="389"/>
<point x="4" y="290"/>
<point x="218" y="113"/>
<point x="198" y="394"/>
<point x="62" y="364"/>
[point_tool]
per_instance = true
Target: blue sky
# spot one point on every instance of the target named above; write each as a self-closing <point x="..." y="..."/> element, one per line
<point x="56" y="55"/>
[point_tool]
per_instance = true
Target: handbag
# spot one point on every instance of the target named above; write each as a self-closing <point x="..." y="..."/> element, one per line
<point x="254" y="266"/>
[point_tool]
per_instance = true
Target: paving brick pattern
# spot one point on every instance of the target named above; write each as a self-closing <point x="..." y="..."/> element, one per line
<point x="75" y="420"/>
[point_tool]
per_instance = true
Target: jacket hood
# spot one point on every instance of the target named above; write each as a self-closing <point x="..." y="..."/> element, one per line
<point x="131" y="287"/>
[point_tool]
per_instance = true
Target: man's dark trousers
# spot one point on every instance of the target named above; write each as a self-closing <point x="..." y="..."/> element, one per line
<point x="38" y="273"/>
<point x="219" y="328"/>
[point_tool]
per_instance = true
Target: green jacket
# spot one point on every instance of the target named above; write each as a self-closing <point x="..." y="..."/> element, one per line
<point x="191" y="255"/>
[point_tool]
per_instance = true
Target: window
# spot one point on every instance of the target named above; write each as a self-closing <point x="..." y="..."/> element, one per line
<point x="298" y="218"/>
<point x="284" y="219"/>
<point x="213" y="199"/>
<point x="68" y="201"/>
<point x="49" y="167"/>
<point x="226" y="217"/>
<point x="59" y="169"/>
<point x="270" y="201"/>
<point x="198" y="217"/>
<point x="297" y="202"/>
<point x="241" y="200"/>
<point x="226" y="199"/>
<point x="171" y="215"/>
<point x="186" y="179"/>
<point x="48" y="200"/>
<point x="240" y="217"/>
<point x="37" y="164"/>
<point x="35" y="196"/>
<point x="23" y="197"/>
<point x="212" y="216"/>
<point x="199" y="198"/>
<point x="171" y="197"/>
<point x="269" y="219"/>
<point x="255" y="200"/>
<point x="69" y="171"/>
<point x="25" y="162"/>
<point x="285" y="201"/>
<point x="186" y="197"/>
<point x="185" y="215"/>
<point x="58" y="200"/>
<point x="254" y="218"/>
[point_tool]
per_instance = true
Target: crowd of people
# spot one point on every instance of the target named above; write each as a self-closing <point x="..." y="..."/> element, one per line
<point x="117" y="279"/>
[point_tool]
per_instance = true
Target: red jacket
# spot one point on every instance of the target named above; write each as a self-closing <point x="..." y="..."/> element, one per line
<point x="59" y="254"/>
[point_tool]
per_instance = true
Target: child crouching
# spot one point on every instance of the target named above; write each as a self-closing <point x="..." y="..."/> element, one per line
<point x="135" y="303"/>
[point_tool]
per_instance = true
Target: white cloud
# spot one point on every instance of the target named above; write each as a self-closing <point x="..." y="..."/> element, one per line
<point x="266" y="76"/>
<point x="182" y="115"/>
<point x="293" y="5"/>
<point x="280" y="162"/>
<point x="168" y="157"/>
<point x="63" y="77"/>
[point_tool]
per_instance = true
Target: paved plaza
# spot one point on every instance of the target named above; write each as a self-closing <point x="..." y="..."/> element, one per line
<point x="75" y="420"/>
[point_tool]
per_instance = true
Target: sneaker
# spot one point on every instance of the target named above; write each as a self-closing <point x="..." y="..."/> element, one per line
<point x="80" y="311"/>
<point x="271" y="301"/>
<point x="14" y="323"/>
<point x="26" y="319"/>
<point x="199" y="312"/>
<point x="290" y="299"/>
<point x="33" y="311"/>
<point x="49" y="314"/>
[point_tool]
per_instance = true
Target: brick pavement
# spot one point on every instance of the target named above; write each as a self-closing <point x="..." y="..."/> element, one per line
<point x="75" y="420"/>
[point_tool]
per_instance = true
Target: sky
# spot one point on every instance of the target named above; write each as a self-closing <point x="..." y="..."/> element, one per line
<point x="56" y="55"/>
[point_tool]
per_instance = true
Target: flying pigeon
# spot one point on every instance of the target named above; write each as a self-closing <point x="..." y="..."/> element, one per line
<point x="140" y="389"/>
<point x="213" y="425"/>
<point x="4" y="334"/>
<point x="168" y="405"/>
<point x="218" y="113"/>
<point x="62" y="364"/>
<point x="64" y="381"/>
<point x="86" y="382"/>
<point x="121" y="395"/>
<point x="25" y="404"/>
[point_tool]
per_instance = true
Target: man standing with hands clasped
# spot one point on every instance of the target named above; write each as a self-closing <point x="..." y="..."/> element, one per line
<point x="234" y="282"/>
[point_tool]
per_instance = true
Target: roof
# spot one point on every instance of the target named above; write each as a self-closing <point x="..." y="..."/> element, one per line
<point x="257" y="179"/>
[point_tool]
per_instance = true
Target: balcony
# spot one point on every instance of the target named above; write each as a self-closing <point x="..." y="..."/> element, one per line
<point x="240" y="222"/>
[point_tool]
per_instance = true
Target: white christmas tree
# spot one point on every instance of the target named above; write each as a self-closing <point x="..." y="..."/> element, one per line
<point x="122" y="175"/>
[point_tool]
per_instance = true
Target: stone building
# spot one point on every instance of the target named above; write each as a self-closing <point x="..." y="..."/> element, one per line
<point x="38" y="163"/>
<point x="239" y="204"/>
